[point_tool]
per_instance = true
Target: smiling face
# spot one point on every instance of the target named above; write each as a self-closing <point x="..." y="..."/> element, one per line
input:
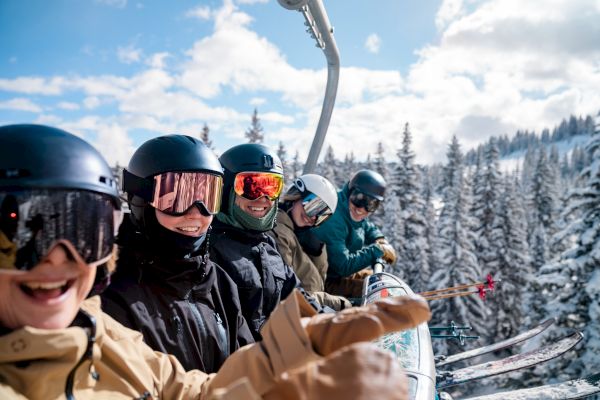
<point x="256" y="208"/>
<point x="49" y="295"/>
<point x="299" y="215"/>
<point x="192" y="223"/>
<point x="357" y="213"/>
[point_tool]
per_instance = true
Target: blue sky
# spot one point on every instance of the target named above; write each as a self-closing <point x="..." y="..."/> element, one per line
<point x="118" y="72"/>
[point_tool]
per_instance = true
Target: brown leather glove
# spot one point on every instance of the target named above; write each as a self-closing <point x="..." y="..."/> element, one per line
<point x="389" y="254"/>
<point x="330" y="332"/>
<point x="361" y="371"/>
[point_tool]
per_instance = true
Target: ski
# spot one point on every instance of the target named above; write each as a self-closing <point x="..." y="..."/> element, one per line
<point x="512" y="363"/>
<point x="445" y="360"/>
<point x="573" y="389"/>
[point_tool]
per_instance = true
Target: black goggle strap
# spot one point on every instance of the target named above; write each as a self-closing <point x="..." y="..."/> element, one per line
<point x="133" y="184"/>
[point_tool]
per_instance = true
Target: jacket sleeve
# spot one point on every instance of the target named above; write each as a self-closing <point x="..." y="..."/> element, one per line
<point x="341" y="261"/>
<point x="285" y="346"/>
<point x="372" y="233"/>
<point x="293" y="255"/>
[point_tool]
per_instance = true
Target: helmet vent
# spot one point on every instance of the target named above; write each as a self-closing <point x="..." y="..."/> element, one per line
<point x="299" y="183"/>
<point x="14" y="173"/>
<point x="267" y="161"/>
<point x="107" y="181"/>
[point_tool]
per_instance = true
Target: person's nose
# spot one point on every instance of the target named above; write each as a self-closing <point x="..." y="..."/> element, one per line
<point x="58" y="255"/>
<point x="194" y="213"/>
<point x="265" y="200"/>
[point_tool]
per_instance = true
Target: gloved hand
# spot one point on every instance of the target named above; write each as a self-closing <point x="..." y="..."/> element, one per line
<point x="389" y="254"/>
<point x="344" y="303"/>
<point x="330" y="332"/>
<point x="361" y="371"/>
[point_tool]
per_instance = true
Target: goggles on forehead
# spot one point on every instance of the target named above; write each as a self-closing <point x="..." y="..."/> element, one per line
<point x="365" y="201"/>
<point x="315" y="207"/>
<point x="254" y="185"/>
<point x="87" y="220"/>
<point x="175" y="192"/>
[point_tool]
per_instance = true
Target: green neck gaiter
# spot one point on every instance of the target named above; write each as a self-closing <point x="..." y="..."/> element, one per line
<point x="240" y="219"/>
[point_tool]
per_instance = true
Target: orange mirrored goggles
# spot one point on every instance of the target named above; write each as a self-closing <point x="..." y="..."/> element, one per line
<point x="175" y="192"/>
<point x="254" y="185"/>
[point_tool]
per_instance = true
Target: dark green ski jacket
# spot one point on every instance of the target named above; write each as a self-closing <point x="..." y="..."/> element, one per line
<point x="350" y="244"/>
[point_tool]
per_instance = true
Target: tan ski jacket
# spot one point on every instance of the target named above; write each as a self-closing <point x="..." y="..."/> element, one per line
<point x="113" y="362"/>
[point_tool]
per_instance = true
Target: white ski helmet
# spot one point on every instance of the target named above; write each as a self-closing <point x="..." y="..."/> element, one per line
<point x="312" y="183"/>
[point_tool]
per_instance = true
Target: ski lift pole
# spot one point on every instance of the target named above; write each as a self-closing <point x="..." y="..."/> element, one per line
<point x="321" y="30"/>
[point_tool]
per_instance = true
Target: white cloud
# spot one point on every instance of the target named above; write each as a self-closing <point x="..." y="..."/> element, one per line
<point x="129" y="54"/>
<point x="373" y="43"/>
<point x="200" y="12"/>
<point x="66" y="105"/>
<point x="252" y="1"/>
<point x="158" y="60"/>
<point x="112" y="3"/>
<point x="257" y="101"/>
<point x="20" y="104"/>
<point x="114" y="143"/>
<point x="448" y="11"/>
<point x="498" y="66"/>
<point x="33" y="85"/>
<point x="91" y="102"/>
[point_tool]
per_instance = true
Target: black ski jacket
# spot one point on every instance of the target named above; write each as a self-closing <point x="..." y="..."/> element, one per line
<point x="188" y="307"/>
<point x="253" y="261"/>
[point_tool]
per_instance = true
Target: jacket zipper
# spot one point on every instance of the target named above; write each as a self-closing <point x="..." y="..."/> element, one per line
<point x="91" y="329"/>
<point x="222" y="334"/>
<point x="204" y="331"/>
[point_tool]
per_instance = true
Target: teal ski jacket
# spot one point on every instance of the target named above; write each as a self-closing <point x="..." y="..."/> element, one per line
<point x="350" y="245"/>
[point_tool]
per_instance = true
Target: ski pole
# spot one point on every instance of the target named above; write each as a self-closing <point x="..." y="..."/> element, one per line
<point x="489" y="282"/>
<point x="480" y="290"/>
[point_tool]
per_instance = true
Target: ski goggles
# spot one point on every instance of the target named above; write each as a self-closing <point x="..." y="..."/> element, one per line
<point x="175" y="192"/>
<point x="254" y="185"/>
<point x="361" y="200"/>
<point x="87" y="220"/>
<point x="315" y="207"/>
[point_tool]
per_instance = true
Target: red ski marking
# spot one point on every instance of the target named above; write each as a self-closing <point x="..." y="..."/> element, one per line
<point x="481" y="292"/>
<point x="490" y="282"/>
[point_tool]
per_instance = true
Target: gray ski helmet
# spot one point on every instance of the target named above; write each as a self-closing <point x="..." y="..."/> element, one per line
<point x="368" y="182"/>
<point x="169" y="153"/>
<point x="247" y="157"/>
<point x="42" y="157"/>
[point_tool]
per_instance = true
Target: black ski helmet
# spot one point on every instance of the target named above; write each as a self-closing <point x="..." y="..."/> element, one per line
<point x="41" y="157"/>
<point x="368" y="182"/>
<point x="247" y="157"/>
<point x="169" y="153"/>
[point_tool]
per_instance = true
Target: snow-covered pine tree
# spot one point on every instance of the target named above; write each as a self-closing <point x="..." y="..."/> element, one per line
<point x="282" y="154"/>
<point x="255" y="134"/>
<point x="296" y="166"/>
<point x="380" y="166"/>
<point x="328" y="167"/>
<point x="572" y="284"/>
<point x="543" y="200"/>
<point x="413" y="260"/>
<point x="484" y="209"/>
<point x="205" y="137"/>
<point x="347" y="169"/>
<point x="458" y="263"/>
<point x="514" y="264"/>
<point x="430" y="214"/>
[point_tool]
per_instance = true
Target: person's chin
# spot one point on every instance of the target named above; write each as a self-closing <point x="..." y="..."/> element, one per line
<point x="356" y="217"/>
